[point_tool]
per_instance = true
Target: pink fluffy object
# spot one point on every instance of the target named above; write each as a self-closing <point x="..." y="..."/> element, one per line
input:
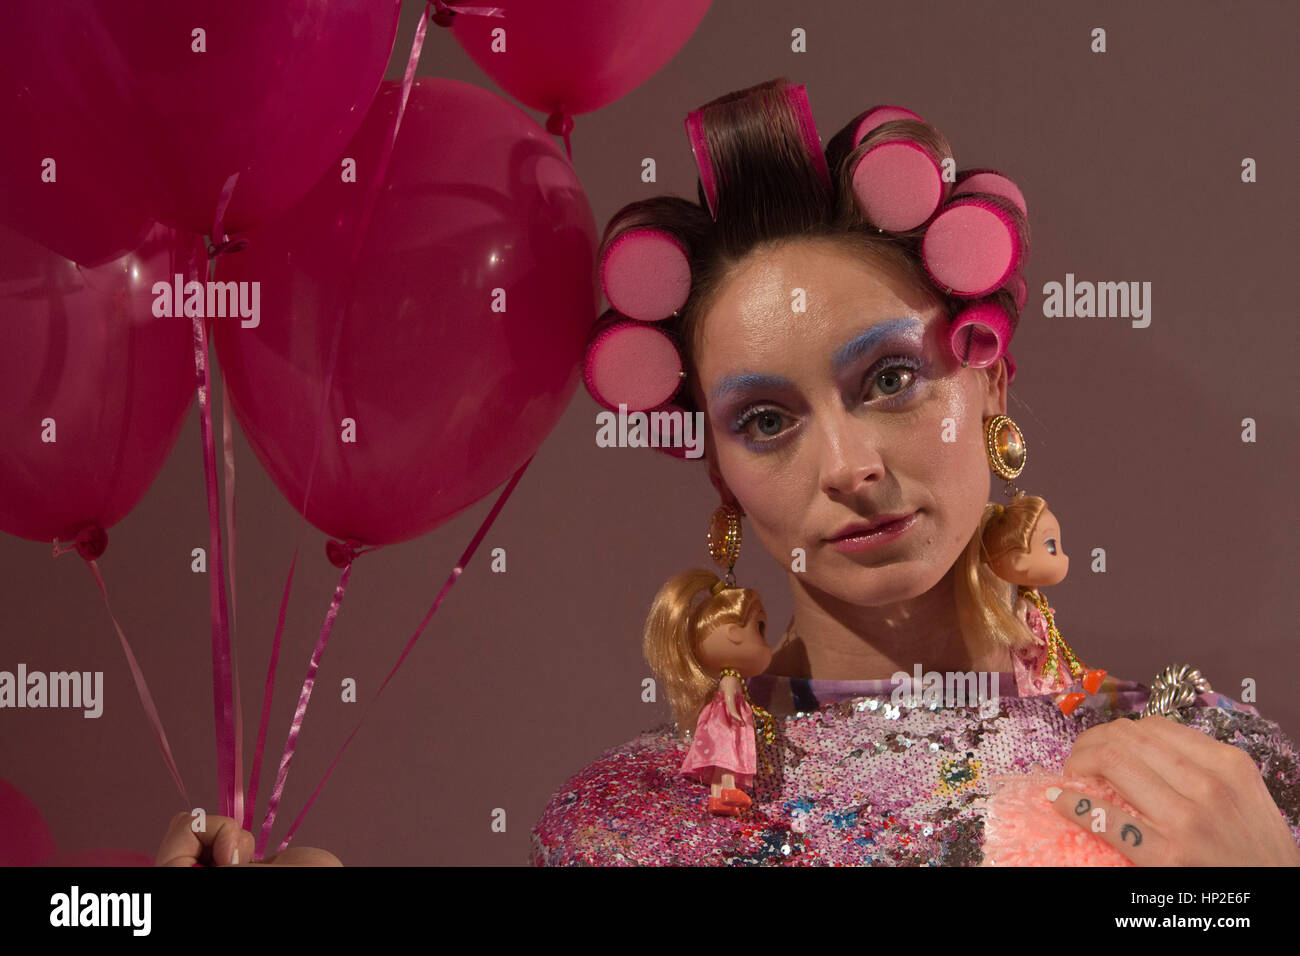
<point x="1022" y="828"/>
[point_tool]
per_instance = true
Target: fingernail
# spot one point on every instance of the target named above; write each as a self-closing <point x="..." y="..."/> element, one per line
<point x="1053" y="793"/>
<point x="234" y="857"/>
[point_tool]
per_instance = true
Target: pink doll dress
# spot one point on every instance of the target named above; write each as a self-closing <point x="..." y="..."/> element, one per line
<point x="1029" y="661"/>
<point x="723" y="742"/>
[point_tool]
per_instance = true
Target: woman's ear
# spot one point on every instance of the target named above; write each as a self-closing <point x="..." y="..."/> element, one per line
<point x="995" y="396"/>
<point x="715" y="477"/>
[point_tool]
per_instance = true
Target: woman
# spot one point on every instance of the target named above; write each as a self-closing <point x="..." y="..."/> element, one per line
<point x="818" y="348"/>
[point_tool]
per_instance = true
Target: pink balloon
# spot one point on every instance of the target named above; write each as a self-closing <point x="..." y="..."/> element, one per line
<point x="575" y="56"/>
<point x="262" y="109"/>
<point x="448" y="395"/>
<point x="25" y="839"/>
<point x="72" y="214"/>
<point x="85" y="362"/>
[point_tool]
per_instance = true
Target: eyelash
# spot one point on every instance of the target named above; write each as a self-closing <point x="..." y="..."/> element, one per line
<point x="894" y="361"/>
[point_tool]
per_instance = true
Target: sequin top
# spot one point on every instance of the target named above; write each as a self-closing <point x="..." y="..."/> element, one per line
<point x="860" y="773"/>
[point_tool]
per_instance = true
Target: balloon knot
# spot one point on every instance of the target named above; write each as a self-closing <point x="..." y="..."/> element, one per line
<point x="90" y="543"/>
<point x="559" y="123"/>
<point x="342" y="553"/>
<point x="227" y="245"/>
<point x="443" y="15"/>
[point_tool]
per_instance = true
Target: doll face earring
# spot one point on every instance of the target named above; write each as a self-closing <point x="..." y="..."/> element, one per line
<point x="1004" y="443"/>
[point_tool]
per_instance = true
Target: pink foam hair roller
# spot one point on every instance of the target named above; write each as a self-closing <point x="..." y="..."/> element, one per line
<point x="880" y="114"/>
<point x="1019" y="292"/>
<point x="797" y="98"/>
<point x="631" y="363"/>
<point x="974" y="244"/>
<point x="898" y="185"/>
<point x="700" y="149"/>
<point x="980" y="333"/>
<point x="992" y="182"/>
<point x="646" y="274"/>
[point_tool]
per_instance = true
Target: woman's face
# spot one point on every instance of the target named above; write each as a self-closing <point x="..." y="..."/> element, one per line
<point x="849" y="410"/>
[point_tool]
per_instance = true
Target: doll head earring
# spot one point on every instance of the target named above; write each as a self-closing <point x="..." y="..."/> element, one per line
<point x="1021" y="543"/>
<point x="703" y="637"/>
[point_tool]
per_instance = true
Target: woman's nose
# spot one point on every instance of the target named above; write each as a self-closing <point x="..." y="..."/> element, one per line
<point x="849" y="453"/>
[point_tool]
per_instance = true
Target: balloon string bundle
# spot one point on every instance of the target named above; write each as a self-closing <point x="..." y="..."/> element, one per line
<point x="446" y="587"/>
<point x="304" y="696"/>
<point x="341" y="554"/>
<point x="222" y="686"/>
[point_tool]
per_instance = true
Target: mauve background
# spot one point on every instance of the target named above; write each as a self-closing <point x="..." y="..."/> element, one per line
<point x="1130" y="161"/>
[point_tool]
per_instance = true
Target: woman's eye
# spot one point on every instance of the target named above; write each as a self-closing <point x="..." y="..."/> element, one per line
<point x="761" y="425"/>
<point x="894" y="380"/>
<point x="1051" y="545"/>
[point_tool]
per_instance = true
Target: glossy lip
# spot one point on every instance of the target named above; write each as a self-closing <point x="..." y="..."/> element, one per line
<point x="861" y="536"/>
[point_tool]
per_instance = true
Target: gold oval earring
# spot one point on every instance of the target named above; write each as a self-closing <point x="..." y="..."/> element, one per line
<point x="1004" y="443"/>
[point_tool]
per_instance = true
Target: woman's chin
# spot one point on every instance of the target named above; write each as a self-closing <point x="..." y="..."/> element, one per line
<point x="900" y="579"/>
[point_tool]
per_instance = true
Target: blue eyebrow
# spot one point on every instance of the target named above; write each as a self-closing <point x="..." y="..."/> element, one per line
<point x="746" y="380"/>
<point x="846" y="354"/>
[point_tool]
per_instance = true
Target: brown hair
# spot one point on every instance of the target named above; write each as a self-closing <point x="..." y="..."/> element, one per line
<point x="769" y="191"/>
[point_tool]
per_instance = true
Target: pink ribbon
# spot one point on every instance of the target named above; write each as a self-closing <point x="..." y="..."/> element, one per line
<point x="225" y="661"/>
<point x="228" y="452"/>
<point x="446" y="587"/>
<point x="266" y="703"/>
<point x="304" y="697"/>
<point x="222" y="685"/>
<point x="445" y="14"/>
<point x="90" y="544"/>
<point x="372" y="193"/>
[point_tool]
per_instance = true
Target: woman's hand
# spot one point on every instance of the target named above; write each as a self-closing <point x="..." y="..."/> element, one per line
<point x="223" y="843"/>
<point x="1203" y="802"/>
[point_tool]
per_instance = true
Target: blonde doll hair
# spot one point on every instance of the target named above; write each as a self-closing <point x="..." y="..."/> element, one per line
<point x="676" y="624"/>
<point x="983" y="599"/>
<point x="1011" y="527"/>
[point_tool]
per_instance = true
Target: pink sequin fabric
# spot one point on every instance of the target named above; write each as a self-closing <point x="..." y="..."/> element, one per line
<point x="859" y="774"/>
